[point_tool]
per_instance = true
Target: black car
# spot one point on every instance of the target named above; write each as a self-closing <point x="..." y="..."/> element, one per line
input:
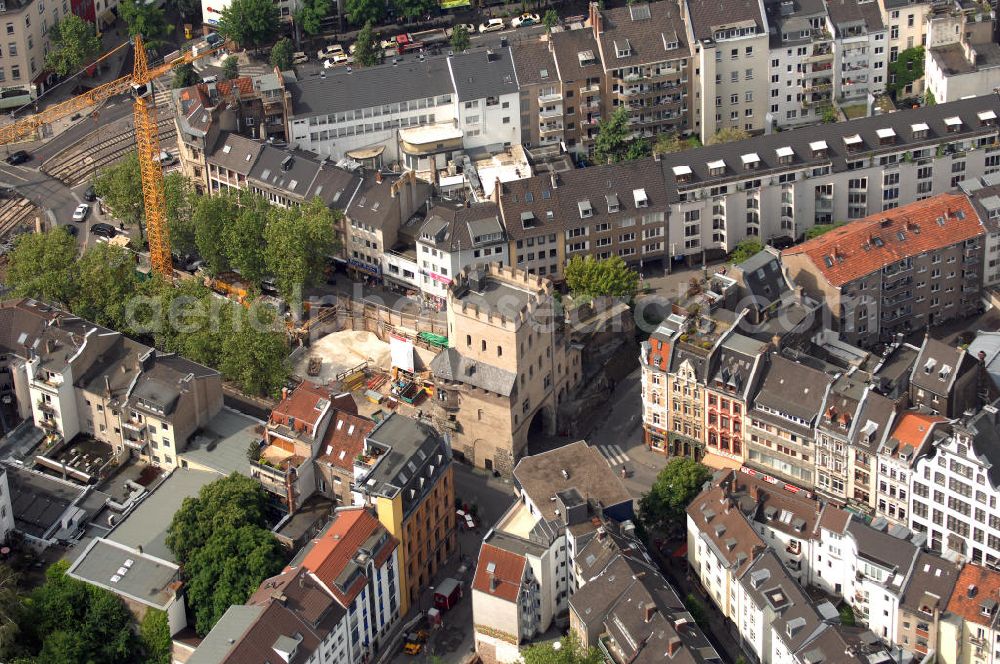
<point x="103" y="230"/>
<point x="18" y="157"/>
<point x="90" y="195"/>
<point x="72" y="230"/>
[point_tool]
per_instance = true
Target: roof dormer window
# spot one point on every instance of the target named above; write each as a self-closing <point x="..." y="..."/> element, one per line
<point x="717" y="167"/>
<point x="613" y="203"/>
<point x="750" y="161"/>
<point x="641" y="200"/>
<point x="954" y="124"/>
<point x="919" y="130"/>
<point x="886" y="136"/>
<point x="623" y="49"/>
<point x="819" y="149"/>
<point x="682" y="174"/>
<point x="586" y="211"/>
<point x="987" y="118"/>
<point x="785" y="155"/>
<point x="853" y="142"/>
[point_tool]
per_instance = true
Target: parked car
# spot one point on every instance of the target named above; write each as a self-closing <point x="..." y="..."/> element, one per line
<point x="337" y="60"/>
<point x="90" y="195"/>
<point x="469" y="27"/>
<point x="412" y="648"/>
<point x="71" y="230"/>
<point x="165" y="158"/>
<point x="525" y="19"/>
<point x="492" y="25"/>
<point x="18" y="157"/>
<point x="81" y="212"/>
<point x="299" y="57"/>
<point x="330" y="51"/>
<point x="102" y="230"/>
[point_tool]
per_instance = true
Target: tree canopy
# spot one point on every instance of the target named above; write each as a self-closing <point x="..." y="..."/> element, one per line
<point x="41" y="266"/>
<point x="230" y="67"/>
<point x="120" y="188"/>
<point x="147" y="19"/>
<point x="460" y="38"/>
<point x="728" y="135"/>
<point x="311" y="14"/>
<point x="249" y="23"/>
<point x="672" y="142"/>
<point x="299" y="241"/>
<point x="224" y="546"/>
<point x="367" y="52"/>
<point x="907" y="68"/>
<point x="593" y="277"/>
<point x="570" y="651"/>
<point x="550" y="19"/>
<point x="663" y="506"/>
<point x="413" y="9"/>
<point x="359" y="12"/>
<point x="613" y="143"/>
<point x="745" y="249"/>
<point x="180" y="198"/>
<point x="282" y="53"/>
<point x="74" y="44"/>
<point x="103" y="281"/>
<point x="154" y="632"/>
<point x="184" y="76"/>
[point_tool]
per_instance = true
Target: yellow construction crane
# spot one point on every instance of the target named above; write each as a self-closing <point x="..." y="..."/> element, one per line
<point x="140" y="84"/>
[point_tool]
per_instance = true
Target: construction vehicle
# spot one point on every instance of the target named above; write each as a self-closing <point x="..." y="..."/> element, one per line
<point x="140" y="84"/>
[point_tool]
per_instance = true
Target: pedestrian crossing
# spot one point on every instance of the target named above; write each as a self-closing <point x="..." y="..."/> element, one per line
<point x="615" y="455"/>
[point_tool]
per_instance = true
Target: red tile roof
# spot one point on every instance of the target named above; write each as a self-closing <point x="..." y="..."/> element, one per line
<point x="864" y="246"/>
<point x="912" y="428"/>
<point x="336" y="547"/>
<point x="508" y="570"/>
<point x="304" y="404"/>
<point x="344" y="439"/>
<point x="987" y="586"/>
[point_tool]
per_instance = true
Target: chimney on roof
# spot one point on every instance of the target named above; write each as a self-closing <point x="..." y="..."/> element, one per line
<point x="493" y="582"/>
<point x="673" y="645"/>
<point x="982" y="357"/>
<point x="284" y="393"/>
<point x="971" y="590"/>
<point x="107" y="385"/>
<point x="595" y="19"/>
<point x="648" y="611"/>
<point x="138" y="549"/>
<point x="776" y="342"/>
<point x="755" y="492"/>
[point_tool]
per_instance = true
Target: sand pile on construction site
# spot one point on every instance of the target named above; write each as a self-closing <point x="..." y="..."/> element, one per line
<point x="345" y="350"/>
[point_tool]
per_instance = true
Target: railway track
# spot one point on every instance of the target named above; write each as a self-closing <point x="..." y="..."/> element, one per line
<point x="78" y="163"/>
<point x="15" y="214"/>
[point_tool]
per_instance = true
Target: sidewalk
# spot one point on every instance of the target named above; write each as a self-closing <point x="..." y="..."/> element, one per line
<point x="109" y="69"/>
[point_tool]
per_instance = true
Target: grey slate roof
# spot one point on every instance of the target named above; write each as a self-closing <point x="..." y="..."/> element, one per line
<point x="881" y="547"/>
<point x="231" y="627"/>
<point x="370" y="86"/>
<point x="455" y="226"/>
<point x="934" y="357"/>
<point x="762" y="276"/>
<point x="648" y="29"/>
<point x="793" y="388"/>
<point x="567" y="46"/>
<point x="985" y="432"/>
<point x="845" y="13"/>
<point x="733" y="366"/>
<point x="878" y="410"/>
<point x="479" y="74"/>
<point x="931" y="583"/>
<point x="450" y="364"/>
<point x="236" y="153"/>
<point x="306" y="176"/>
<point x="706" y="15"/>
<point x="532" y="59"/>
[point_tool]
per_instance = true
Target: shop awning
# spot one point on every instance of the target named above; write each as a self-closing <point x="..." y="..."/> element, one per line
<point x="366" y="153"/>
<point x="454" y="4"/>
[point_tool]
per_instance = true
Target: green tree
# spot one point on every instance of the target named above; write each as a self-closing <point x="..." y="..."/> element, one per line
<point x="146" y="19"/>
<point x="254" y="351"/>
<point x="212" y="215"/>
<point x="929" y="99"/>
<point x="230" y="67"/>
<point x="359" y="12"/>
<point x="104" y="281"/>
<point x="820" y="229"/>
<point x="367" y="52"/>
<point x="460" y="38"/>
<point x="744" y="250"/>
<point x="728" y="135"/>
<point x="611" y="143"/>
<point x="11" y="610"/>
<point x="180" y="199"/>
<point x="221" y="539"/>
<point x="243" y="237"/>
<point x="592" y="277"/>
<point x="413" y="9"/>
<point x="311" y="16"/>
<point x="249" y="23"/>
<point x="120" y="187"/>
<point x="299" y="241"/>
<point x="188" y="9"/>
<point x="570" y="651"/>
<point x="550" y="20"/>
<point x="154" y="631"/>
<point x="829" y="115"/>
<point x="74" y="44"/>
<point x="184" y="76"/>
<point x="282" y="53"/>
<point x="41" y="266"/>
<point x="663" y="506"/>
<point x="847" y="615"/>
<point x="667" y="143"/>
<point x="907" y="68"/>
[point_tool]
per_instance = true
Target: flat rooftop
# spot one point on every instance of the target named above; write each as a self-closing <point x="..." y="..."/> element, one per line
<point x="495" y="295"/>
<point x="222" y="444"/>
<point x="38" y="501"/>
<point x="121" y="570"/>
<point x="519" y="521"/>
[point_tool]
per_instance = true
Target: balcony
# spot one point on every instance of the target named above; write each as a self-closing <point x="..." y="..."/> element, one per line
<point x="46" y="407"/>
<point x="554" y="113"/>
<point x="593" y="88"/>
<point x="48" y="424"/>
<point x="549" y="98"/>
<point x="552" y="128"/>
<point x="589" y="106"/>
<point x="134" y="425"/>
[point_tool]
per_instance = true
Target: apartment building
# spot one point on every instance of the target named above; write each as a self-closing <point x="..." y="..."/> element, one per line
<point x="343" y="441"/>
<point x="599" y="211"/>
<point x="860" y="44"/>
<point x="782" y="420"/>
<point x="26" y="28"/>
<point x="908" y="24"/>
<point x="646" y="53"/>
<point x="861" y="473"/>
<point x="540" y="91"/>
<point x="839" y="415"/>
<point x="911" y="438"/>
<point x="508" y="367"/>
<point x="405" y="474"/>
<point x="801" y="59"/>
<point x="288" y="178"/>
<point x="580" y="69"/>
<point x="567" y="498"/>
<point x="984" y="193"/>
<point x="735" y="371"/>
<point x="487" y="101"/>
<point x="971" y="634"/>
<point x="898" y="271"/>
<point x="451" y="237"/>
<point x="954" y="493"/>
<point x="923" y="606"/>
<point x="357" y="561"/>
<point x="779" y="185"/>
<point x="963" y="58"/>
<point x="946" y="380"/>
<point x="730" y="60"/>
